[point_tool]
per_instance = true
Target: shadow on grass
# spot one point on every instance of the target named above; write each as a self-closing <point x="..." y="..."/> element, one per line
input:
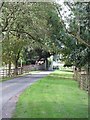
<point x="62" y="76"/>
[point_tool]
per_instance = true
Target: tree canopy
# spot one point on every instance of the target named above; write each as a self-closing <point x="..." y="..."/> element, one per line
<point x="38" y="29"/>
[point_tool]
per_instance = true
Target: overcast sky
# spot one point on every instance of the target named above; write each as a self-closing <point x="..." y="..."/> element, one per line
<point x="65" y="10"/>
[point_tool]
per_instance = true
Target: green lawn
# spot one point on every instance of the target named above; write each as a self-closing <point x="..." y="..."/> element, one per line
<point x="55" y="96"/>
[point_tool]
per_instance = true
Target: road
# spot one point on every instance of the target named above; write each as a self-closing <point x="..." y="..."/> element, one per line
<point x="11" y="89"/>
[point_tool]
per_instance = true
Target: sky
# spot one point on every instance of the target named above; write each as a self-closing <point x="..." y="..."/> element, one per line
<point x="65" y="10"/>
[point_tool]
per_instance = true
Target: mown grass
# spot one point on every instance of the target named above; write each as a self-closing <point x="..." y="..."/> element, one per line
<point x="55" y="96"/>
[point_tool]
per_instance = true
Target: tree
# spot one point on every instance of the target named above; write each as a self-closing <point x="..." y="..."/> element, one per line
<point x="26" y="23"/>
<point x="77" y="20"/>
<point x="76" y="45"/>
<point x="12" y="47"/>
<point x="40" y="28"/>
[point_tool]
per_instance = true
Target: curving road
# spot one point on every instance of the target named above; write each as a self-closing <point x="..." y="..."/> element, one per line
<point x="11" y="89"/>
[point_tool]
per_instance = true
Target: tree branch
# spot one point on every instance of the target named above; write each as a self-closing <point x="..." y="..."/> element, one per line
<point x="2" y="3"/>
<point x="74" y="35"/>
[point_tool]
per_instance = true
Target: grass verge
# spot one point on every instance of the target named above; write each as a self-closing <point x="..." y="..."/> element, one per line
<point x="55" y="96"/>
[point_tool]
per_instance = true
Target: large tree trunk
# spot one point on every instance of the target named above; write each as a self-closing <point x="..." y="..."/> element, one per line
<point x="9" y="67"/>
<point x="16" y="63"/>
<point x="16" y="67"/>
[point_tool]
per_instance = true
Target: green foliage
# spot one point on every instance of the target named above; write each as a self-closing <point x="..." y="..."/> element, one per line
<point x="76" y="49"/>
<point x="12" y="47"/>
<point x="40" y="29"/>
<point x="27" y="25"/>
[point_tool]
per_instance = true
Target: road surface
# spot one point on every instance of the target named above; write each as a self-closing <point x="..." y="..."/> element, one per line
<point x="11" y="89"/>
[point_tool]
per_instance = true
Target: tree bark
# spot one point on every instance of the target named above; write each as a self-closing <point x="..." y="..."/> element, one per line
<point x="16" y="67"/>
<point x="16" y="63"/>
<point x="9" y="72"/>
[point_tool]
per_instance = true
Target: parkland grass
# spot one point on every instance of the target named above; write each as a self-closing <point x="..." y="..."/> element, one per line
<point x="55" y="96"/>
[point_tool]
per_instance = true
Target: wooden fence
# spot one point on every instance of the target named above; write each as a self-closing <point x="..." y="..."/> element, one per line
<point x="5" y="72"/>
<point x="28" y="68"/>
<point x="24" y="69"/>
<point x="82" y="79"/>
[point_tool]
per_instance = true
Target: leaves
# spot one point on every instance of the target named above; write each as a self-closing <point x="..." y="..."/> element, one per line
<point x="39" y="27"/>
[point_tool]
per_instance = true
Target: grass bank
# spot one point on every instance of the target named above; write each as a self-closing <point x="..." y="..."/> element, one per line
<point x="55" y="96"/>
